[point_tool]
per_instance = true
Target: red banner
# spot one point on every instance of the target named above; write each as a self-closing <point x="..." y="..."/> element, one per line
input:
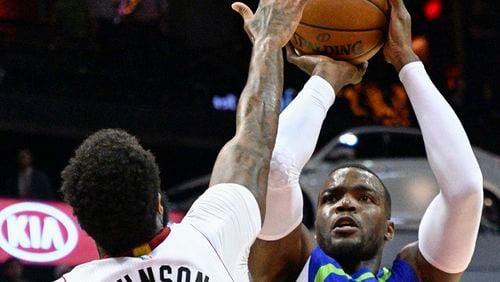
<point x="43" y="233"/>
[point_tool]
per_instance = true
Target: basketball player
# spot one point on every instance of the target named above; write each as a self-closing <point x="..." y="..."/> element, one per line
<point x="353" y="213"/>
<point x="113" y="184"/>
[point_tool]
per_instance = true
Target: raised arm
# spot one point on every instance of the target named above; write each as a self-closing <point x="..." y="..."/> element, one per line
<point x="230" y="213"/>
<point x="449" y="228"/>
<point x="245" y="158"/>
<point x="283" y="245"/>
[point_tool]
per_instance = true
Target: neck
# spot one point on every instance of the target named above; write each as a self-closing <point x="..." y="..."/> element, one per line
<point x="154" y="240"/>
<point x="353" y="263"/>
<point x="350" y="267"/>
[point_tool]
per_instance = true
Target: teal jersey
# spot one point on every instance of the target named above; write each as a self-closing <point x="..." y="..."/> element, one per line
<point x="323" y="268"/>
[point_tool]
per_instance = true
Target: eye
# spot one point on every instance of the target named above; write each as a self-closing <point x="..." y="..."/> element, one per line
<point x="329" y="198"/>
<point x="364" y="198"/>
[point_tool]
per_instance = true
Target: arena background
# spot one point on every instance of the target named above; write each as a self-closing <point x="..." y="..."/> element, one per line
<point x="171" y="72"/>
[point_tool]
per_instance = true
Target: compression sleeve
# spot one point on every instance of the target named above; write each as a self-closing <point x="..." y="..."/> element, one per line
<point x="298" y="131"/>
<point x="448" y="231"/>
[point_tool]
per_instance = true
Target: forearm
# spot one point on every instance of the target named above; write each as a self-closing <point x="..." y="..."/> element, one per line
<point x="245" y="158"/>
<point x="448" y="149"/>
<point x="300" y="123"/>
<point x="449" y="227"/>
<point x="260" y="101"/>
<point x="298" y="131"/>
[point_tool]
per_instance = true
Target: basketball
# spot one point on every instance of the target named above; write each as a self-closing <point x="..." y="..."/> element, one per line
<point x="348" y="30"/>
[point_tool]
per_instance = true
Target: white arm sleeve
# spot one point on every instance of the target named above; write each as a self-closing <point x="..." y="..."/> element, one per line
<point x="298" y="131"/>
<point x="448" y="231"/>
<point x="229" y="217"/>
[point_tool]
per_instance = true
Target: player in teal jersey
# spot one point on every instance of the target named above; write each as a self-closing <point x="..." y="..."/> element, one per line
<point x="353" y="213"/>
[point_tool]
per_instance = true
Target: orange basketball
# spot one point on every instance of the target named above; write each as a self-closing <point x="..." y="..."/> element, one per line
<point x="349" y="30"/>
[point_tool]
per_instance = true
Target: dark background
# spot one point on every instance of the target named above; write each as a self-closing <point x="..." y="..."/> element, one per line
<point x="71" y="67"/>
<point x="68" y="69"/>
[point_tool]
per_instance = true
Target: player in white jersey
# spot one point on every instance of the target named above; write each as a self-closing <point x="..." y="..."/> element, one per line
<point x="113" y="184"/>
<point x="353" y="213"/>
<point x="206" y="246"/>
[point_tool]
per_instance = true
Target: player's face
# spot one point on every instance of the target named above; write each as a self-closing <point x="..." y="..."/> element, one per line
<point x="350" y="218"/>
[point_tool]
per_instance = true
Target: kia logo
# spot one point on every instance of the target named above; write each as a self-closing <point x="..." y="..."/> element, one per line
<point x="36" y="232"/>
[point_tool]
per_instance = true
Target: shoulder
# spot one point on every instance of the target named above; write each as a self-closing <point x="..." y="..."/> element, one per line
<point x="424" y="270"/>
<point x="409" y="254"/>
<point x="282" y="259"/>
<point x="228" y="217"/>
<point x="228" y="191"/>
<point x="225" y="199"/>
<point x="404" y="267"/>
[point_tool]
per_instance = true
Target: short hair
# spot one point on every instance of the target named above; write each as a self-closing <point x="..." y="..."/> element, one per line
<point x="112" y="183"/>
<point x="387" y="196"/>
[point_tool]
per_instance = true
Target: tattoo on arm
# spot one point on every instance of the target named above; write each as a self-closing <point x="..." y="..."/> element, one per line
<point x="245" y="158"/>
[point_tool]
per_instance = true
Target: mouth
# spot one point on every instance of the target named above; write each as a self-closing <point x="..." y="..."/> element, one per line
<point x="345" y="225"/>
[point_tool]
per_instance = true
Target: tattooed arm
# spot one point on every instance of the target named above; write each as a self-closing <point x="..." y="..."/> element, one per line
<point x="228" y="214"/>
<point x="245" y="158"/>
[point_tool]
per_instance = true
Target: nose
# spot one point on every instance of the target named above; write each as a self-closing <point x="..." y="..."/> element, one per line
<point x="345" y="205"/>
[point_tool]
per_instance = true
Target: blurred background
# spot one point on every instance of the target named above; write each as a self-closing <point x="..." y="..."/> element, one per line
<point x="171" y="71"/>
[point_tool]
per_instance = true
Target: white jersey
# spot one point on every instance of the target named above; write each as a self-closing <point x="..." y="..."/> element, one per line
<point x="210" y="244"/>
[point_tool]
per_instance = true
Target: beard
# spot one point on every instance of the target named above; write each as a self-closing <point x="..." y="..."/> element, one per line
<point x="351" y="249"/>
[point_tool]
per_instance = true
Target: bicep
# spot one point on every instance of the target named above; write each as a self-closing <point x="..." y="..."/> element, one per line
<point x="280" y="260"/>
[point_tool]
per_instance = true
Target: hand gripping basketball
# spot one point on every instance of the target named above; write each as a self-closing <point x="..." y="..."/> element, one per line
<point x="348" y="30"/>
<point x="274" y="22"/>
<point x="397" y="49"/>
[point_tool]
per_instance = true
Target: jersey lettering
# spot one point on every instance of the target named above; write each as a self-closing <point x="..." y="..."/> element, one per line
<point x="199" y="277"/>
<point x="149" y="278"/>
<point x="183" y="270"/>
<point x="165" y="270"/>
<point x="127" y="279"/>
<point x="165" y="273"/>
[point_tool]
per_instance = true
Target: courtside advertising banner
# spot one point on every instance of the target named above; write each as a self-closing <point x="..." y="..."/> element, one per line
<point x="43" y="233"/>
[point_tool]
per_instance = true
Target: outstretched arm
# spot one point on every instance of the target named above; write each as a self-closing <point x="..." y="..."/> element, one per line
<point x="449" y="228"/>
<point x="245" y="158"/>
<point x="228" y="214"/>
<point x="283" y="245"/>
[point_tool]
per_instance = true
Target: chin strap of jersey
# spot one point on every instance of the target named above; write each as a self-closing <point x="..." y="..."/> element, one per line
<point x="146" y="248"/>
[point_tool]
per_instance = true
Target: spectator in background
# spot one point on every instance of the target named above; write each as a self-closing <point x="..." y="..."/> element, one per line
<point x="12" y="271"/>
<point x="29" y="182"/>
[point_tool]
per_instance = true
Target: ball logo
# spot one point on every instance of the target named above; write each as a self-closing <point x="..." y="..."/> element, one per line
<point x="36" y="232"/>
<point x="323" y="37"/>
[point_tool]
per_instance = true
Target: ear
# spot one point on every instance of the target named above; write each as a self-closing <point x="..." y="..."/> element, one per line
<point x="389" y="230"/>
<point x="159" y="207"/>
